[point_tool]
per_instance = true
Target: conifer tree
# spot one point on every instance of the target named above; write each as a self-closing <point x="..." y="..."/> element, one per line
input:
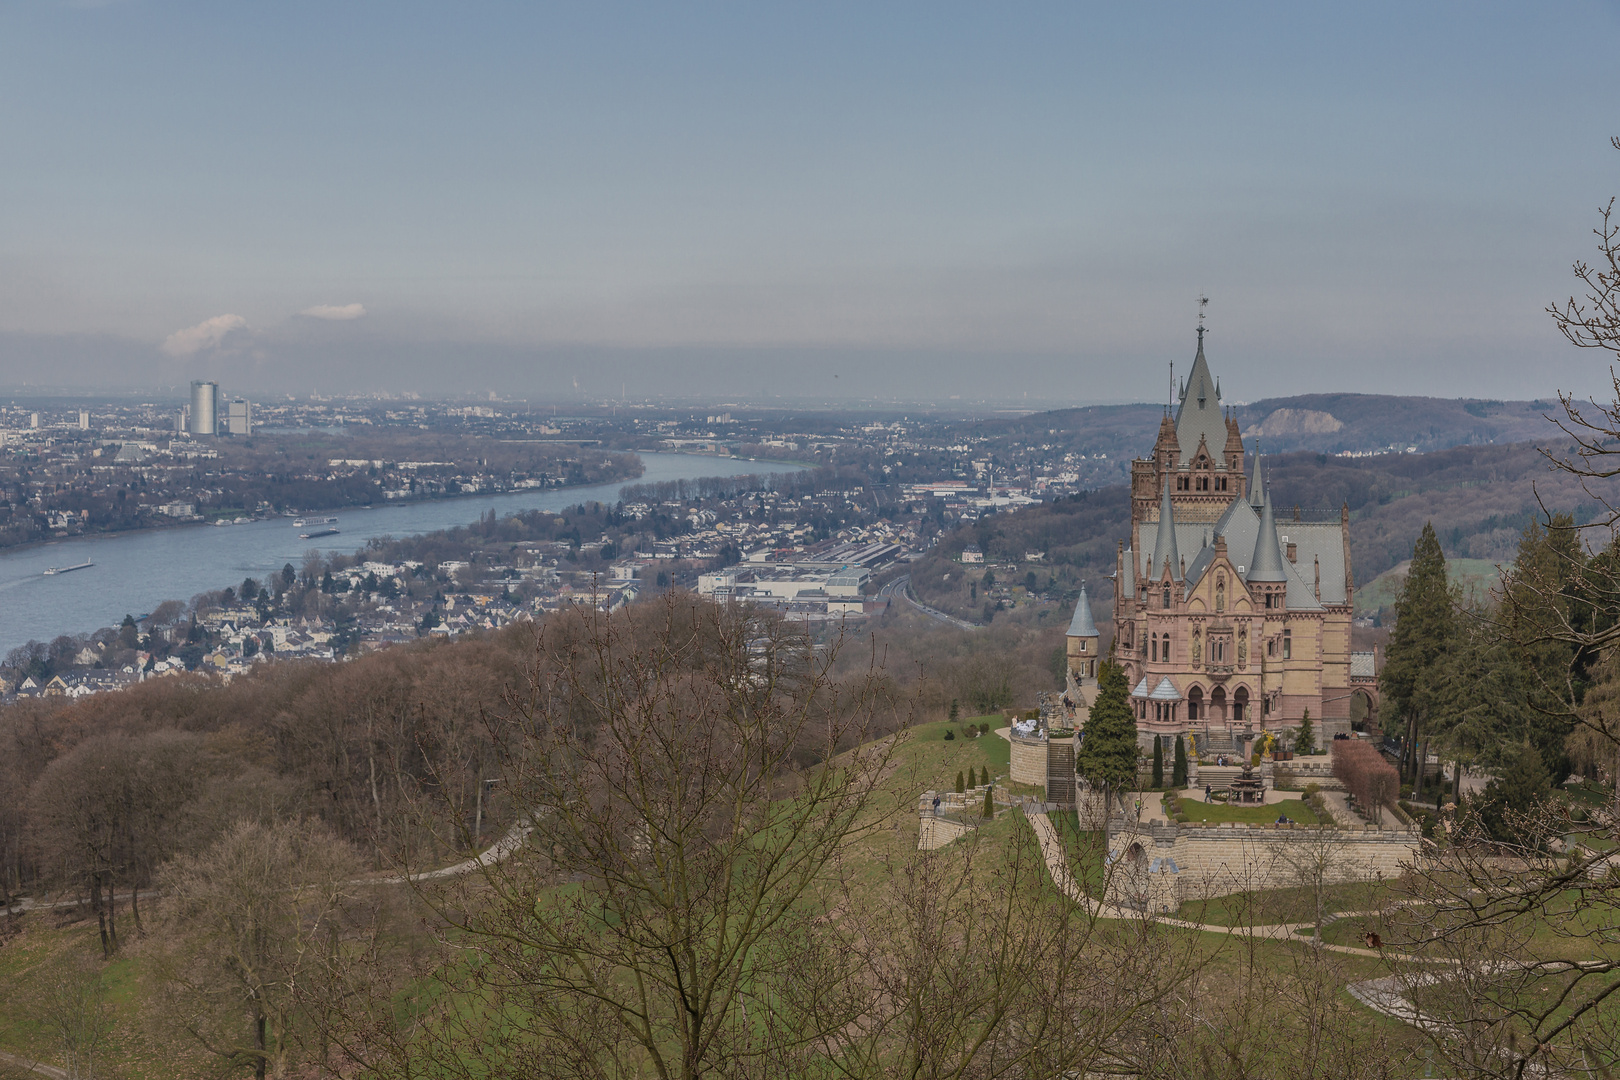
<point x="956" y="709"/>
<point x="989" y="803"/>
<point x="961" y="786"/>
<point x="1158" y="762"/>
<point x="1544" y="612"/>
<point x="1305" y="740"/>
<point x="1178" y="771"/>
<point x="1425" y="625"/>
<point x="1107" y="756"/>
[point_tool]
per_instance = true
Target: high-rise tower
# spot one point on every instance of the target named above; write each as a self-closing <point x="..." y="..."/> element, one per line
<point x="204" y="408"/>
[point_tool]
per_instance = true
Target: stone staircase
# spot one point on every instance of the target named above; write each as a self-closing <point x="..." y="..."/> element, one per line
<point x="1219" y="741"/>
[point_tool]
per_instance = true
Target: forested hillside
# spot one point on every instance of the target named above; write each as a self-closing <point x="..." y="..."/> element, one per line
<point x="1479" y="499"/>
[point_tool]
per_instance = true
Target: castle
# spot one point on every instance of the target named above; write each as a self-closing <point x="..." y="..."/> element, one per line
<point x="1229" y="619"/>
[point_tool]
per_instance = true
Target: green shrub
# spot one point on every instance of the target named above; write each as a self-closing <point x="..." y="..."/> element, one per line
<point x="961" y="785"/>
<point x="949" y="735"/>
<point x="989" y="803"/>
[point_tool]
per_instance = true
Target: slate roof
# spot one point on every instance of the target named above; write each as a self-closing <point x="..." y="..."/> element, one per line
<point x="1240" y="525"/>
<point x="1164" y="546"/>
<point x="1082" y="625"/>
<point x="1165" y="691"/>
<point x="1199" y="414"/>
<point x="1266" y="564"/>
<point x="1363" y="665"/>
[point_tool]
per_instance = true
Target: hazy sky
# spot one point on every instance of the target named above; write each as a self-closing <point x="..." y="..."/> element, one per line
<point x="807" y="200"/>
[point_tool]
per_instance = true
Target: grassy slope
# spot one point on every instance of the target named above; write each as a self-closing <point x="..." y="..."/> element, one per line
<point x="923" y="759"/>
<point x="1476" y="578"/>
<point x="26" y="959"/>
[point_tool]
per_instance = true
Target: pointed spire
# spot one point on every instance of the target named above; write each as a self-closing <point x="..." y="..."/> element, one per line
<point x="1267" y="564"/>
<point x="1082" y="625"/>
<point x="1256" y="495"/>
<point x="1199" y="411"/>
<point x="1164" y="545"/>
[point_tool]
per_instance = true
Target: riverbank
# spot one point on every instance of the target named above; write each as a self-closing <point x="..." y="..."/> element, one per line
<point x="138" y="570"/>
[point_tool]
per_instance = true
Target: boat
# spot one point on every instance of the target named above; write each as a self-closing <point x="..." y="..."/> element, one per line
<point x="299" y="523"/>
<point x="68" y="569"/>
<point x="315" y="533"/>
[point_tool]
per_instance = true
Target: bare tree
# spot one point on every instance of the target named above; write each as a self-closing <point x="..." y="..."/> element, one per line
<point x="1516" y="958"/>
<point x="684" y="775"/>
<point x="245" y="923"/>
<point x="67" y="999"/>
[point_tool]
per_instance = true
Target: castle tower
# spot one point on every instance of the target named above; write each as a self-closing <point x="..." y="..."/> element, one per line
<point x="1081" y="640"/>
<point x="1199" y="452"/>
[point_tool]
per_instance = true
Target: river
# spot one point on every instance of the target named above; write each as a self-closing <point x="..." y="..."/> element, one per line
<point x="134" y="572"/>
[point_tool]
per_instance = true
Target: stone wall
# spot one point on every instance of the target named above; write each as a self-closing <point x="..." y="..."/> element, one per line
<point x="1028" y="760"/>
<point x="935" y="832"/>
<point x="1208" y="859"/>
<point x="1044" y="763"/>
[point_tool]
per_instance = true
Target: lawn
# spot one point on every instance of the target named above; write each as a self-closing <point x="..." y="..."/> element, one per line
<point x="1262" y="907"/>
<point x="1295" y="809"/>
<point x="938" y="759"/>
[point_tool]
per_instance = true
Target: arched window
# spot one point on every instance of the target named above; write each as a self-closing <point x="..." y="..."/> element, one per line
<point x="1165" y="600"/>
<point x="1166" y="649"/>
<point x="1288" y="644"/>
<point x="1154" y="644"/>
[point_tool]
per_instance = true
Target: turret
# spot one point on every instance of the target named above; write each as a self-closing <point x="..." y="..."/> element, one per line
<point x="1233" y="450"/>
<point x="1081" y="640"/>
<point x="1168" y="447"/>
<point x="1164" y="544"/>
<point x="1266" y="567"/>
<point x="1256" y="494"/>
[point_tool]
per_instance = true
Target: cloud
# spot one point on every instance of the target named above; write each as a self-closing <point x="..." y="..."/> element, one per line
<point x="335" y="312"/>
<point x="208" y="334"/>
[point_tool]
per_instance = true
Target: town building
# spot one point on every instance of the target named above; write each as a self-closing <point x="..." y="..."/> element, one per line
<point x="239" y="417"/>
<point x="1228" y="621"/>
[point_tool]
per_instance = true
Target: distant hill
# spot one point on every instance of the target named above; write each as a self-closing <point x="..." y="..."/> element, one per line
<point x="1331" y="423"/>
<point x="1109" y="436"/>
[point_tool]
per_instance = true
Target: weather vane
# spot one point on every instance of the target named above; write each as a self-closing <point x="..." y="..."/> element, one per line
<point x="1203" y="302"/>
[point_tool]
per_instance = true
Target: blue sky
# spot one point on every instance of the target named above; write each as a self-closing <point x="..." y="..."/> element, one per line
<point x="730" y="201"/>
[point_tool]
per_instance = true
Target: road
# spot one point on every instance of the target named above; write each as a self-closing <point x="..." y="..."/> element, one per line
<point x="901" y="587"/>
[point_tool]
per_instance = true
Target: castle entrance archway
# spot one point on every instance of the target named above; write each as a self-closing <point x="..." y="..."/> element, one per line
<point x="1240" y="705"/>
<point x="1195" y="704"/>
<point x="1217" y="705"/>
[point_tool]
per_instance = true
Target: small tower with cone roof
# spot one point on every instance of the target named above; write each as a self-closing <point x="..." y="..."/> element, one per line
<point x="1081" y="641"/>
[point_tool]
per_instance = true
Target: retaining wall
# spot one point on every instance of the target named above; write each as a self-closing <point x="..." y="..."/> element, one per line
<point x="1212" y="859"/>
<point x="1028" y="760"/>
